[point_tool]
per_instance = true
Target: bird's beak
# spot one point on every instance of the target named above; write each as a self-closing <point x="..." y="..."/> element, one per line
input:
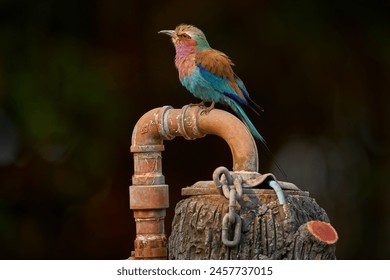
<point x="168" y="32"/>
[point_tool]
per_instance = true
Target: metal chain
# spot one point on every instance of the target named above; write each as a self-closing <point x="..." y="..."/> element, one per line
<point x="232" y="190"/>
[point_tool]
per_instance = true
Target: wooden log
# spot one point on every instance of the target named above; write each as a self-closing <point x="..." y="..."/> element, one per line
<point x="269" y="231"/>
<point x="314" y="240"/>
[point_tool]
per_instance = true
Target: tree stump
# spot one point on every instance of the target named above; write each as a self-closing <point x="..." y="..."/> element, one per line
<point x="299" y="229"/>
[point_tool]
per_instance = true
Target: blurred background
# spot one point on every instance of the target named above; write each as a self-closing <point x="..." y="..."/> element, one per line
<point x="76" y="75"/>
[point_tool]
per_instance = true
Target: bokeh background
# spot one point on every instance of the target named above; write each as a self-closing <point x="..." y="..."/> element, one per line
<point x="76" y="75"/>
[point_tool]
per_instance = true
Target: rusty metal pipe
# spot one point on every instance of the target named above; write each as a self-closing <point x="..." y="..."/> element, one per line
<point x="165" y="123"/>
<point x="149" y="193"/>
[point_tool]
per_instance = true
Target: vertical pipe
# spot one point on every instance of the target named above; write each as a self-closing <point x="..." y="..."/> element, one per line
<point x="149" y="194"/>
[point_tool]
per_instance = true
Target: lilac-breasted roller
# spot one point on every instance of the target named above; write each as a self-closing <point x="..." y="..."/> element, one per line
<point x="207" y="73"/>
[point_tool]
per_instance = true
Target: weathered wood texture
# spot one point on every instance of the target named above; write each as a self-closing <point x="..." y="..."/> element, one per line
<point x="269" y="231"/>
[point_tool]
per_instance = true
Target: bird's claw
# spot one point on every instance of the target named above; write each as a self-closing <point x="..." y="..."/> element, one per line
<point x="201" y="104"/>
<point x="207" y="109"/>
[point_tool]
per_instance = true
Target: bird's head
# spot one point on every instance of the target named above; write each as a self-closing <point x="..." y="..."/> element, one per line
<point x="187" y="33"/>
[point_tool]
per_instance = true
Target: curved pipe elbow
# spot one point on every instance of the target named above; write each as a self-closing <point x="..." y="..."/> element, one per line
<point x="236" y="135"/>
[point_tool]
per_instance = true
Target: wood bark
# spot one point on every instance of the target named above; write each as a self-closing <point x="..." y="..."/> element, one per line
<point x="269" y="231"/>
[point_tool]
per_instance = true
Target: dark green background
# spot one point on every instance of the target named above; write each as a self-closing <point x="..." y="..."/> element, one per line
<point x="76" y="75"/>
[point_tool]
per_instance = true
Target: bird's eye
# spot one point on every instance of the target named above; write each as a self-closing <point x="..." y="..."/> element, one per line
<point x="185" y="36"/>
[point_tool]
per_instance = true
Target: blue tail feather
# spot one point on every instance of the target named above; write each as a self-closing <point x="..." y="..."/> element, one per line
<point x="242" y="115"/>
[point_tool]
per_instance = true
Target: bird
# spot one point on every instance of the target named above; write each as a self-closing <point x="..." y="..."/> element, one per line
<point x="207" y="74"/>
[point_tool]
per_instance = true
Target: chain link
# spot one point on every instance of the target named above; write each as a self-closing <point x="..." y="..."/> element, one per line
<point x="232" y="189"/>
<point x="230" y="185"/>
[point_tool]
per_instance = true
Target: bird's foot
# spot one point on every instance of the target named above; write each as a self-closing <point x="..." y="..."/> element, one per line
<point x="201" y="104"/>
<point x="207" y="109"/>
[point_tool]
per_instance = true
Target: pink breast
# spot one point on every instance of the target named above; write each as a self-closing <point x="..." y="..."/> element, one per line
<point x="185" y="57"/>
